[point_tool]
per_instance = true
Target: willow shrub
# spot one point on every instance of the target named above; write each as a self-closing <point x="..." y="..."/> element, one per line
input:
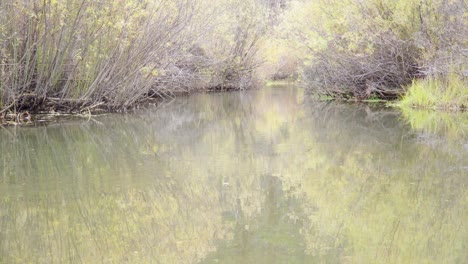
<point x="374" y="47"/>
<point x="117" y="52"/>
<point x="85" y="50"/>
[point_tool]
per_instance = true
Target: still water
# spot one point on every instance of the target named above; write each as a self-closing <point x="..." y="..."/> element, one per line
<point x="265" y="176"/>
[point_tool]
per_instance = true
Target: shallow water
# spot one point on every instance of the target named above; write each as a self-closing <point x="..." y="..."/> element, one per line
<point x="265" y="176"/>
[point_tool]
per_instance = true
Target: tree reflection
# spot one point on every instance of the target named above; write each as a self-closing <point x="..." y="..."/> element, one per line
<point x="265" y="176"/>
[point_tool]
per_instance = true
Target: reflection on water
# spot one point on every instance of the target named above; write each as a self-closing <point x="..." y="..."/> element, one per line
<point x="447" y="124"/>
<point x="265" y="176"/>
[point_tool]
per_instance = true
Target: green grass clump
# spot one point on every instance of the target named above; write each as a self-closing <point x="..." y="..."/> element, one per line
<point x="449" y="93"/>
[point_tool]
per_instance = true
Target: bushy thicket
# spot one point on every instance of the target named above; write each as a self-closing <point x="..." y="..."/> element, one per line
<point x="113" y="53"/>
<point x="76" y="54"/>
<point x="365" y="48"/>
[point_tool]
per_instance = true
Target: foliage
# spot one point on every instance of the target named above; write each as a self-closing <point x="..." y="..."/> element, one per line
<point x="374" y="47"/>
<point x="117" y="52"/>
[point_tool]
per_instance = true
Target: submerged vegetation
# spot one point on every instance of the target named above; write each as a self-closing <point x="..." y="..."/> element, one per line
<point x="82" y="55"/>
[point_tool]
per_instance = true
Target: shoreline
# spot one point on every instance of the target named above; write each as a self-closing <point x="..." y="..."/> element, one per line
<point x="54" y="109"/>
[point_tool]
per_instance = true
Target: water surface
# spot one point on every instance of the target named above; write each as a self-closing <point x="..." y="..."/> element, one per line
<point x="265" y="176"/>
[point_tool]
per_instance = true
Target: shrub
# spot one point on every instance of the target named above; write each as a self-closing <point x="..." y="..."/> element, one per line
<point x="374" y="47"/>
<point x="82" y="53"/>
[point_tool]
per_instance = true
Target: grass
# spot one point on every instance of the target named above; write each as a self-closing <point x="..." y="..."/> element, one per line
<point x="326" y="98"/>
<point x="375" y="99"/>
<point x="449" y="93"/>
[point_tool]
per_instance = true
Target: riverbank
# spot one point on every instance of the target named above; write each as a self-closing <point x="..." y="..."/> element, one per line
<point x="423" y="94"/>
<point x="58" y="58"/>
<point x="447" y="94"/>
<point x="52" y="109"/>
<point x="431" y="94"/>
<point x="81" y="55"/>
<point x="388" y="50"/>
